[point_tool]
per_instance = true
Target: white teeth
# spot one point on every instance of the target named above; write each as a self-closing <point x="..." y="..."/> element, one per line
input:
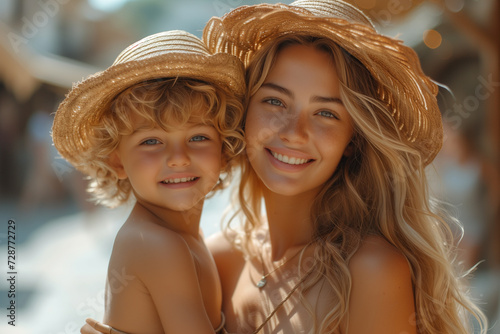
<point x="286" y="159"/>
<point x="179" y="180"/>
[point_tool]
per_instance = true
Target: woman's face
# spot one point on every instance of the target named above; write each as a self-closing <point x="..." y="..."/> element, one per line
<point x="297" y="128"/>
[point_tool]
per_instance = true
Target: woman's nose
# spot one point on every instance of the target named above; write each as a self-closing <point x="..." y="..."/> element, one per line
<point x="294" y="129"/>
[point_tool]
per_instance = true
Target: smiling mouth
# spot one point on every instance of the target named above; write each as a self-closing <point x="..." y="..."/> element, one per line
<point x="179" y="180"/>
<point x="289" y="160"/>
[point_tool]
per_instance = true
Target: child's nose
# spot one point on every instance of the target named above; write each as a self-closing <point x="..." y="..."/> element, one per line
<point x="178" y="157"/>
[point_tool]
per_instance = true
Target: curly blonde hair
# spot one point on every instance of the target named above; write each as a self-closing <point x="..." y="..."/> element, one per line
<point x="161" y="102"/>
<point x="380" y="189"/>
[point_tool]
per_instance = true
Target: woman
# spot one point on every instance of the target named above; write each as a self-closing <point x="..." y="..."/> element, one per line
<point x="340" y="124"/>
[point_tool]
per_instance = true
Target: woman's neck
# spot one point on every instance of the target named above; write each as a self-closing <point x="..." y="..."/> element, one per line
<point x="289" y="220"/>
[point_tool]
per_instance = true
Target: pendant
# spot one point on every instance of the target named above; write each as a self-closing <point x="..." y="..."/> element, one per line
<point x="262" y="283"/>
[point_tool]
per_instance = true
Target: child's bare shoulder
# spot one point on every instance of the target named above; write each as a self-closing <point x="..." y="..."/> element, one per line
<point x="148" y="230"/>
<point x="144" y="243"/>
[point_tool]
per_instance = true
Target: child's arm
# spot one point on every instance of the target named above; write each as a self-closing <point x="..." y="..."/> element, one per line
<point x="172" y="281"/>
<point x="162" y="261"/>
<point x="381" y="299"/>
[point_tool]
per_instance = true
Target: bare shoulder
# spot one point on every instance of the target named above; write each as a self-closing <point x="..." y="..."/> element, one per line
<point x="378" y="259"/>
<point x="381" y="299"/>
<point x="220" y="245"/>
<point x="148" y="231"/>
<point x="228" y="259"/>
<point x="160" y="257"/>
<point x="147" y="240"/>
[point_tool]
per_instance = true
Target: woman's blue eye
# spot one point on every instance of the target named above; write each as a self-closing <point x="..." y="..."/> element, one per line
<point x="327" y="113"/>
<point x="274" y="102"/>
<point x="150" y="142"/>
<point x="199" y="138"/>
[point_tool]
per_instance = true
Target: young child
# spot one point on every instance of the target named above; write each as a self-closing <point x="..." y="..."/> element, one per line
<point x="160" y="125"/>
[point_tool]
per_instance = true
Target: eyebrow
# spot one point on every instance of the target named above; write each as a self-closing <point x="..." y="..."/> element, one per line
<point x="324" y="99"/>
<point x="316" y="98"/>
<point x="142" y="128"/>
<point x="278" y="88"/>
<point x="146" y="127"/>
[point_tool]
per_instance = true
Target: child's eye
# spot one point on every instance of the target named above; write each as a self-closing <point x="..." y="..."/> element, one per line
<point x="150" y="142"/>
<point x="274" y="102"/>
<point x="326" y="113"/>
<point x="199" y="138"/>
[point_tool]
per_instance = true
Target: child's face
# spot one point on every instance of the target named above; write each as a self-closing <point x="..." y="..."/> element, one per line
<point x="174" y="169"/>
<point x="297" y="128"/>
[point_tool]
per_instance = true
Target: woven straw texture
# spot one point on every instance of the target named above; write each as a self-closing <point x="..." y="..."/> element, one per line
<point x="163" y="55"/>
<point x="410" y="94"/>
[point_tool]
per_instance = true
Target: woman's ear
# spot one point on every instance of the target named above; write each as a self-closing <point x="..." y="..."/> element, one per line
<point x="349" y="149"/>
<point x="116" y="164"/>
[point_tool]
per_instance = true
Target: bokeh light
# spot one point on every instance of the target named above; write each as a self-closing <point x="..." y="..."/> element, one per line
<point x="432" y="39"/>
<point x="455" y="5"/>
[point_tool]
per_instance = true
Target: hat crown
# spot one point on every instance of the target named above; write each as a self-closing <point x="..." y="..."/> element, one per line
<point x="174" y="41"/>
<point x="338" y="9"/>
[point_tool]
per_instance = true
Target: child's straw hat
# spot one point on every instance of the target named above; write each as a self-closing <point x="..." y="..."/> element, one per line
<point x="403" y="86"/>
<point x="171" y="54"/>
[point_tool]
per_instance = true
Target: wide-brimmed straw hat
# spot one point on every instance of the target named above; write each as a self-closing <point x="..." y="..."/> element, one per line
<point x="171" y="54"/>
<point x="409" y="93"/>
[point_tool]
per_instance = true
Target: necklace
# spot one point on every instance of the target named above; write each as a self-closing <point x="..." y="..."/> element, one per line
<point x="302" y="280"/>
<point x="263" y="280"/>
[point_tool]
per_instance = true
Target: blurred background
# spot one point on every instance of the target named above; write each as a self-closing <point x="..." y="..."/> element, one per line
<point x="63" y="243"/>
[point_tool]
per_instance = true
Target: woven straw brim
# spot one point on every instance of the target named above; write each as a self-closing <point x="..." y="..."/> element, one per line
<point x="90" y="99"/>
<point x="409" y="93"/>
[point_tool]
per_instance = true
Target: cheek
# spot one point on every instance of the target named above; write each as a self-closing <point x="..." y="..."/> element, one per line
<point x="335" y="146"/>
<point x="251" y="123"/>
<point x="210" y="162"/>
<point x="259" y="127"/>
<point x="145" y="160"/>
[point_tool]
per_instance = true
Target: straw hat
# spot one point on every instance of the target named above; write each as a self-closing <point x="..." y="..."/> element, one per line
<point x="410" y="94"/>
<point x="164" y="55"/>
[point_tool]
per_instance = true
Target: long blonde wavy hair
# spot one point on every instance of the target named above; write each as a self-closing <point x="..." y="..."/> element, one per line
<point x="381" y="189"/>
<point x="161" y="102"/>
